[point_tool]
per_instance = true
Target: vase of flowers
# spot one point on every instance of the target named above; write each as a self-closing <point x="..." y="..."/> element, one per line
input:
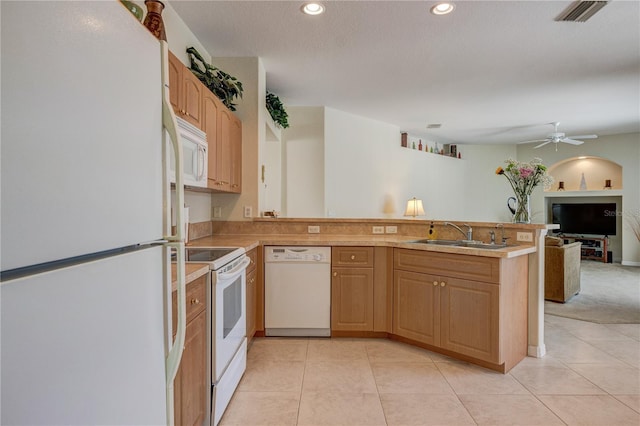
<point x="523" y="178"/>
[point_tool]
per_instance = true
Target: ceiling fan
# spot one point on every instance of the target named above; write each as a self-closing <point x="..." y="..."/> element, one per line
<point x="556" y="137"/>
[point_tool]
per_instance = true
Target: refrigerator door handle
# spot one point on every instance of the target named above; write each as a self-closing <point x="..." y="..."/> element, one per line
<point x="176" y="241"/>
<point x="171" y="125"/>
<point x="175" y="353"/>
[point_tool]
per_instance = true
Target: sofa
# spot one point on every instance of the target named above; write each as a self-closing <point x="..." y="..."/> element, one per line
<point x="561" y="269"/>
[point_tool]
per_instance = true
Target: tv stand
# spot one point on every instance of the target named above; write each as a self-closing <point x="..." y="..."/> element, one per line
<point x="593" y="248"/>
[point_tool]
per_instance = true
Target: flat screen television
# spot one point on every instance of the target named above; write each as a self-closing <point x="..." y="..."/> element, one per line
<point x="586" y="218"/>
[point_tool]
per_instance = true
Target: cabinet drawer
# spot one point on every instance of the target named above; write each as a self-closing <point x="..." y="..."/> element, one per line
<point x="196" y="299"/>
<point x="475" y="268"/>
<point x="353" y="257"/>
<point x="253" y="257"/>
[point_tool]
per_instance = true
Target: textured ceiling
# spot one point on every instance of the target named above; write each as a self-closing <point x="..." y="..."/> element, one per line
<point x="491" y="72"/>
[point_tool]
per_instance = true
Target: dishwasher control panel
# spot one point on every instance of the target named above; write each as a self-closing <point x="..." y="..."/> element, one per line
<point x="297" y="254"/>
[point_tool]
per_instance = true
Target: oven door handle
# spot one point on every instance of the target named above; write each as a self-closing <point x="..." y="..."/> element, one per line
<point x="234" y="272"/>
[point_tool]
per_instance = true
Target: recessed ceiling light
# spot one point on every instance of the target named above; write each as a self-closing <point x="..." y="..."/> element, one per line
<point x="442" y="8"/>
<point x="313" y="8"/>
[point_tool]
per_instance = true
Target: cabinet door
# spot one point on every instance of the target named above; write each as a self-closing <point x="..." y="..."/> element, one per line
<point x="470" y="318"/>
<point x="210" y="110"/>
<point x="236" y="155"/>
<point x="416" y="310"/>
<point x="251" y="303"/>
<point x="191" y="382"/>
<point x="352" y="299"/>
<point x="224" y="149"/>
<point x="175" y="83"/>
<point x="192" y="90"/>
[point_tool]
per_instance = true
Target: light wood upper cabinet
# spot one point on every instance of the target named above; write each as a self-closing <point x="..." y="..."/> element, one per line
<point x="185" y="92"/>
<point x="236" y="155"/>
<point x="194" y="102"/>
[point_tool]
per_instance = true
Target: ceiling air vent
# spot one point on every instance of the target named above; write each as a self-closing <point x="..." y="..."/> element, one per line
<point x="580" y="11"/>
<point x="434" y="126"/>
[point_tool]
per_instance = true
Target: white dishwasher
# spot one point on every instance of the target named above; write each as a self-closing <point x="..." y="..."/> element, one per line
<point x="297" y="291"/>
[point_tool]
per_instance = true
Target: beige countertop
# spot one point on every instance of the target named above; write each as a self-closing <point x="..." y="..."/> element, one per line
<point x="251" y="241"/>
<point x="192" y="272"/>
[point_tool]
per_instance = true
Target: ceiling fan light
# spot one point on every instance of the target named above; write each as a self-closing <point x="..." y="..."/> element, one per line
<point x="312" y="8"/>
<point x="442" y="8"/>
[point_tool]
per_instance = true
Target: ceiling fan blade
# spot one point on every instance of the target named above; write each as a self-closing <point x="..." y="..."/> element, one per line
<point x="534" y="140"/>
<point x="542" y="144"/>
<point x="571" y="141"/>
<point x="584" y="137"/>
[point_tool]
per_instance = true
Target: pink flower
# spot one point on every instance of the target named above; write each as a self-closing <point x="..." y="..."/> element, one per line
<point x="525" y="173"/>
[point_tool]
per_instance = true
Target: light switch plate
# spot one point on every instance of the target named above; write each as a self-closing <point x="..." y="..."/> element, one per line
<point x="391" y="229"/>
<point x="217" y="212"/>
<point x="524" y="236"/>
<point x="313" y="229"/>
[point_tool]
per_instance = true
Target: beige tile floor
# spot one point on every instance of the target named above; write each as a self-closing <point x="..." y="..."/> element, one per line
<point x="590" y="376"/>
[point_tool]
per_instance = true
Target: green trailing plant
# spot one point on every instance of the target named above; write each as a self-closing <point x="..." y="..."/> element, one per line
<point x="277" y="111"/>
<point x="221" y="84"/>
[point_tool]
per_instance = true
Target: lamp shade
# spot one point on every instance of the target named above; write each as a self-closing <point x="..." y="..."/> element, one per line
<point x="414" y="208"/>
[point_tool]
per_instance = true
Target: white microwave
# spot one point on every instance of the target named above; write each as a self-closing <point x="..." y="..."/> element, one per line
<point x="194" y="150"/>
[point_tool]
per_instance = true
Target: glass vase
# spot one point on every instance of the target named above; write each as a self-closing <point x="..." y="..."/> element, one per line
<point x="523" y="209"/>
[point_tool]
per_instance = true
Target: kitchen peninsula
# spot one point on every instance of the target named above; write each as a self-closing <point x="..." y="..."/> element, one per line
<point x="498" y="283"/>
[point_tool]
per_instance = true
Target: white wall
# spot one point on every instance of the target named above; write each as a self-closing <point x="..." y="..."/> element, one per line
<point x="621" y="149"/>
<point x="304" y="163"/>
<point x="485" y="192"/>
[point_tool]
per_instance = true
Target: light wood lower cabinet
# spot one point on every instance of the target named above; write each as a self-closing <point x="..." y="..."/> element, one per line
<point x="484" y="320"/>
<point x="191" y="384"/>
<point x="252" y="293"/>
<point x="361" y="290"/>
<point x="352" y="289"/>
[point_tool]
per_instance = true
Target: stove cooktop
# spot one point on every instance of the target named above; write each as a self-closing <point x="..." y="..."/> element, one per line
<point x="207" y="254"/>
<point x="216" y="257"/>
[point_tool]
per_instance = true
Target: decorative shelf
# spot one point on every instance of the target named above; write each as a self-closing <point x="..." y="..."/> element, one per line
<point x="602" y="193"/>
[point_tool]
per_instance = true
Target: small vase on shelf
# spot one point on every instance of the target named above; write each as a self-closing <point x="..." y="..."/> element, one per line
<point x="583" y="183"/>
<point x="153" y="21"/>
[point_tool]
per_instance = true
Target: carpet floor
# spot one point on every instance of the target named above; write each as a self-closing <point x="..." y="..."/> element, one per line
<point x="609" y="294"/>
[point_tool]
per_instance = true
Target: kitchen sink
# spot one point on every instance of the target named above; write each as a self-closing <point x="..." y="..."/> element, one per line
<point x="461" y="243"/>
<point x="439" y="242"/>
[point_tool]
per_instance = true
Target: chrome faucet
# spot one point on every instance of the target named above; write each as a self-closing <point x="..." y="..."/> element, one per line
<point x="501" y="226"/>
<point x="468" y="234"/>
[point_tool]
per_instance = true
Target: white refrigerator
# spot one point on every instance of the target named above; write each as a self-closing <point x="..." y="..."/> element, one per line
<point x="85" y="291"/>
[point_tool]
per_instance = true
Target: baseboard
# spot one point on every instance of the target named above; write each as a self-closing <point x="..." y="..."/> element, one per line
<point x="629" y="263"/>
<point x="537" y="351"/>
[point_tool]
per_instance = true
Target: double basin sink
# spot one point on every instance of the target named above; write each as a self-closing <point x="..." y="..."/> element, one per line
<point x="461" y="243"/>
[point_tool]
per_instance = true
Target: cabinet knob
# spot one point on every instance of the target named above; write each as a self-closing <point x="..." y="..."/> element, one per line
<point x="194" y="301"/>
<point x="353" y="257"/>
<point x="335" y="274"/>
<point x="442" y="284"/>
<point x="435" y="283"/>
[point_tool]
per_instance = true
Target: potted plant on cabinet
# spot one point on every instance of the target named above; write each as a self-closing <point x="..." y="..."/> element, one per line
<point x="224" y="86"/>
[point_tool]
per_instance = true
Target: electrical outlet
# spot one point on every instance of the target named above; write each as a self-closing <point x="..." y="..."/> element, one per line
<point x="524" y="236"/>
<point x="313" y="229"/>
<point x="391" y="230"/>
<point x="217" y="212"/>
<point x="378" y="229"/>
<point x="248" y="211"/>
